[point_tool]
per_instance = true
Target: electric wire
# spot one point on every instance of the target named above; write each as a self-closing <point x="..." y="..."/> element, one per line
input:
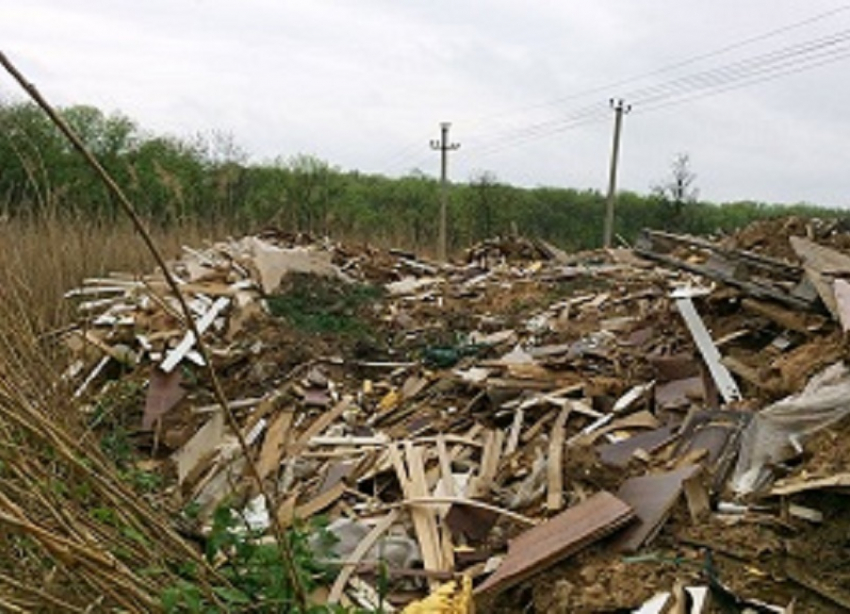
<point x="767" y="66"/>
<point x="672" y="66"/>
<point x="743" y="68"/>
<point x="680" y="64"/>
<point x="774" y="64"/>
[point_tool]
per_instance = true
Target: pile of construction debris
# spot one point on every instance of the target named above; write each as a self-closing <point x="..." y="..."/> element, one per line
<point x="604" y="431"/>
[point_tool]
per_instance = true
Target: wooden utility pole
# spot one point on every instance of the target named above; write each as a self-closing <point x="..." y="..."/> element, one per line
<point x="444" y="147"/>
<point x="619" y="109"/>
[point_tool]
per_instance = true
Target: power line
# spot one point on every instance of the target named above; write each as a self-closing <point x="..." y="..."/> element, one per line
<point x="770" y="65"/>
<point x="615" y="85"/>
<point x="745" y="83"/>
<point x="404" y="156"/>
<point x="592" y="113"/>
<point x="745" y="67"/>
<point x="516" y="141"/>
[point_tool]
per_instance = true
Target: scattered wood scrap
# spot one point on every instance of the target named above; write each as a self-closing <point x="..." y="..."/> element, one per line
<point x="481" y="409"/>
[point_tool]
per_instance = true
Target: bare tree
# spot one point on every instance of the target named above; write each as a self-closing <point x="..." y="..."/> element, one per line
<point x="678" y="191"/>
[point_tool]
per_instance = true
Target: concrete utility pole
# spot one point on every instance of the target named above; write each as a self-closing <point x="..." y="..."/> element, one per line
<point x="444" y="147"/>
<point x="619" y="108"/>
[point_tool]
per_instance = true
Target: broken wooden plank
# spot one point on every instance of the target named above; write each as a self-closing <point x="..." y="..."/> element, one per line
<point x="445" y="465"/>
<point x="658" y="604"/>
<point x="274" y="444"/>
<point x="556" y="539"/>
<point x="679" y="393"/>
<point x="751" y="288"/>
<point x="321" y="501"/>
<point x="619" y="454"/>
<point x="747" y="373"/>
<point x="424" y="525"/>
<point x="696" y="496"/>
<point x="97" y="370"/>
<point x="841" y="287"/>
<point x="514" y="432"/>
<point x="799" y="321"/>
<point x="634" y="394"/>
<point x="790" y="487"/>
<point x="836" y="595"/>
<point x="463" y="501"/>
<point x="176" y="355"/>
<point x="318" y="426"/>
<point x="200" y="448"/>
<point x="490" y="457"/>
<point x="555" y="465"/>
<point x="652" y="497"/>
<point x="772" y="265"/>
<point x="286" y="510"/>
<point x="822" y="264"/>
<point x="640" y="420"/>
<point x="720" y="374"/>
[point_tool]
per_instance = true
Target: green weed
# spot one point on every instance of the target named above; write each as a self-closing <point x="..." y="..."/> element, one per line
<point x="254" y="571"/>
<point x="324" y="306"/>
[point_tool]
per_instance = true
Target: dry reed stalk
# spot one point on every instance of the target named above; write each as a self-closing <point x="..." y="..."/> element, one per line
<point x="40" y="451"/>
<point x="281" y="541"/>
<point x="50" y="254"/>
<point x="40" y="595"/>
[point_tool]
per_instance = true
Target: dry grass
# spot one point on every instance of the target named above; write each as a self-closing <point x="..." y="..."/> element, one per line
<point x="45" y="257"/>
<point x="72" y="535"/>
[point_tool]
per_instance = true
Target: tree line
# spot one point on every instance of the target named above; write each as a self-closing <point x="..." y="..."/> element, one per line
<point x="175" y="179"/>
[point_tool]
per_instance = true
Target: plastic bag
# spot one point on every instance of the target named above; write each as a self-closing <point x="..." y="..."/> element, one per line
<point x="776" y="433"/>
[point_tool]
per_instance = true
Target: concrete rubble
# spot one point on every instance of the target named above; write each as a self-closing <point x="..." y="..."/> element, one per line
<point x="649" y="430"/>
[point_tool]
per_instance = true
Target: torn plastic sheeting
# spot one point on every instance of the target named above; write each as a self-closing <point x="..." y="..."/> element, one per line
<point x="775" y="434"/>
<point x="398" y="551"/>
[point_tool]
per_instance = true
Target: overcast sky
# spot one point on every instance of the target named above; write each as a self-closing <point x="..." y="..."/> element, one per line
<point x="364" y="85"/>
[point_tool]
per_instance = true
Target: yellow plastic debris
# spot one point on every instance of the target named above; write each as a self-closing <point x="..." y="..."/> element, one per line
<point x="448" y="598"/>
<point x="390" y="401"/>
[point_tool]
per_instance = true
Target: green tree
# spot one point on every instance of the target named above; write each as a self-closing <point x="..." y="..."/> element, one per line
<point x="487" y="200"/>
<point x="311" y="186"/>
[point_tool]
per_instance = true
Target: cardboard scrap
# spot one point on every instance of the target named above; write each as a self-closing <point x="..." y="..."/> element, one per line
<point x="274" y="263"/>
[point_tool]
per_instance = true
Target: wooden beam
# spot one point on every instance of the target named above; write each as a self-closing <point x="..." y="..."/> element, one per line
<point x="555" y="463"/>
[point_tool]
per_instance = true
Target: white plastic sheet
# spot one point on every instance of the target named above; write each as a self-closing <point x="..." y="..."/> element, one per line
<point x="777" y="433"/>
